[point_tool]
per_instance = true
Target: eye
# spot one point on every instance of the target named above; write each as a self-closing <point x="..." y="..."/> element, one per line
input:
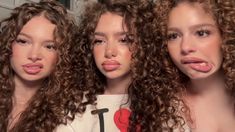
<point x="172" y="36"/>
<point x="21" y="41"/>
<point x="203" y="33"/>
<point x="126" y="39"/>
<point x="50" y="46"/>
<point x="98" y="41"/>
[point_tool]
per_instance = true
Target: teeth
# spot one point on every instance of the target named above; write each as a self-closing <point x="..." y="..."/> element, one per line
<point x="203" y="64"/>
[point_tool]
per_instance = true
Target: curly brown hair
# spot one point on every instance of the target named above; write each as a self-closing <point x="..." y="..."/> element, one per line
<point x="151" y="101"/>
<point x="48" y="107"/>
<point x="223" y="12"/>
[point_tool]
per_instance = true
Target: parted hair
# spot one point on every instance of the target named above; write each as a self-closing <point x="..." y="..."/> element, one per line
<point x="48" y="107"/>
<point x="223" y="12"/>
<point x="152" y="103"/>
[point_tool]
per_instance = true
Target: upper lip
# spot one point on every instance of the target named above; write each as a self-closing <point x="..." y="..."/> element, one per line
<point x="110" y="62"/>
<point x="192" y="60"/>
<point x="33" y="65"/>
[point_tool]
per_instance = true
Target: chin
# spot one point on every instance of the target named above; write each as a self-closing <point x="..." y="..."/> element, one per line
<point x="200" y="76"/>
<point x="113" y="76"/>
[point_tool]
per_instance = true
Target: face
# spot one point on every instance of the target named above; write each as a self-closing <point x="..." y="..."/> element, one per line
<point x="194" y="41"/>
<point x="111" y="47"/>
<point x="34" y="54"/>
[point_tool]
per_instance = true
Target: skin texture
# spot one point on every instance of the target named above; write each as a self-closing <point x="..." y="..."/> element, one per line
<point x="34" y="46"/>
<point x="200" y="67"/>
<point x="153" y="105"/>
<point x="112" y="50"/>
<point x="35" y="70"/>
<point x="194" y="43"/>
<point x="33" y="59"/>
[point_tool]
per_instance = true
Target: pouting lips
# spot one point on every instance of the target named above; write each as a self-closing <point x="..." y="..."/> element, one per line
<point x="197" y="64"/>
<point x="110" y="65"/>
<point x="32" y="68"/>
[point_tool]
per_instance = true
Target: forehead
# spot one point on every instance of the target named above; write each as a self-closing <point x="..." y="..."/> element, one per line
<point x="39" y="27"/>
<point x="110" y="21"/>
<point x="39" y="23"/>
<point x="190" y="13"/>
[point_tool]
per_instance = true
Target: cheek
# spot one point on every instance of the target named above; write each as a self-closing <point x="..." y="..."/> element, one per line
<point x="219" y="50"/>
<point x="217" y="55"/>
<point x="128" y="55"/>
<point x="214" y="51"/>
<point x="13" y="55"/>
<point x="97" y="53"/>
<point x="126" y="52"/>
<point x="18" y="55"/>
<point x="12" y="62"/>
<point x="16" y="60"/>
<point x="53" y="59"/>
<point x="16" y="51"/>
<point x="173" y="52"/>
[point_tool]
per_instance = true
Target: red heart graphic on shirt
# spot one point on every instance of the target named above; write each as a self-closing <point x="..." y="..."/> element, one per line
<point x="121" y="119"/>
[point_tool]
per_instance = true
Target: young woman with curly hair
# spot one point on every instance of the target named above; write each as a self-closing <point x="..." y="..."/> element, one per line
<point x="34" y="67"/>
<point x="198" y="54"/>
<point x="118" y="60"/>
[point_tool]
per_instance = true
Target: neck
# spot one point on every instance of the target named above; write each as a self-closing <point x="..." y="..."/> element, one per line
<point x="118" y="86"/>
<point x="207" y="85"/>
<point x="210" y="89"/>
<point x="24" y="90"/>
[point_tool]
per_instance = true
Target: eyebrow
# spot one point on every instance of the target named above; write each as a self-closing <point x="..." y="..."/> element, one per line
<point x="24" y="34"/>
<point x="28" y="36"/>
<point x="203" y="25"/>
<point x="116" y="34"/>
<point x="194" y="26"/>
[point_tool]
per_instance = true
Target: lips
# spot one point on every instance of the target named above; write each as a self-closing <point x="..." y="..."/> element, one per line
<point x="197" y="64"/>
<point x="32" y="68"/>
<point x="110" y="65"/>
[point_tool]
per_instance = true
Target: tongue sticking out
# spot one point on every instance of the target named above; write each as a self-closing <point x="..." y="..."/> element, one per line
<point x="201" y="67"/>
<point x="32" y="69"/>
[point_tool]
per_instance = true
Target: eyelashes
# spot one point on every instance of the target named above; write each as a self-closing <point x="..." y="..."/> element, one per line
<point x="201" y="33"/>
<point x="21" y="41"/>
<point x="50" y="46"/>
<point x="98" y="41"/>
<point x="172" y="36"/>
<point x="25" y="42"/>
<point x="121" y="40"/>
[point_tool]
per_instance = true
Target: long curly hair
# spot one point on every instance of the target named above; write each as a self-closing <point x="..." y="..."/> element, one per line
<point x="48" y="107"/>
<point x="151" y="101"/>
<point x="223" y="12"/>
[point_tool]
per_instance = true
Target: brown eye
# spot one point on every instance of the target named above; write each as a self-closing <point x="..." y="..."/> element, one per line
<point x="21" y="41"/>
<point x="124" y="40"/>
<point x="98" y="41"/>
<point x="172" y="36"/>
<point x="50" y="46"/>
<point x="203" y="33"/>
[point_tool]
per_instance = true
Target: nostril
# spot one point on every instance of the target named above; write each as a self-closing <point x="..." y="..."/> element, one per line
<point x="187" y="51"/>
<point x="34" y="58"/>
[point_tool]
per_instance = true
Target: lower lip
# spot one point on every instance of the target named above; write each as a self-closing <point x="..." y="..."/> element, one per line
<point x="201" y="68"/>
<point x="110" y="67"/>
<point x="32" y="70"/>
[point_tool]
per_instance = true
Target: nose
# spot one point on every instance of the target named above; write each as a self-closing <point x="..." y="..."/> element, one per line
<point x="35" y="53"/>
<point x="110" y="50"/>
<point x="187" y="46"/>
